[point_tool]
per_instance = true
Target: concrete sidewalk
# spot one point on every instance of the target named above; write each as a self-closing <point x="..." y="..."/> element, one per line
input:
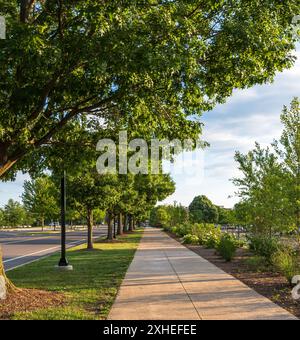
<point x="167" y="281"/>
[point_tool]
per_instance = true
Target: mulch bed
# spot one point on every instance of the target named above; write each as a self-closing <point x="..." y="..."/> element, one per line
<point x="26" y="300"/>
<point x="269" y="284"/>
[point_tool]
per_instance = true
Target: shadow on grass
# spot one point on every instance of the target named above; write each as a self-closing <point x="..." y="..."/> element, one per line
<point x="106" y="262"/>
<point x="90" y="288"/>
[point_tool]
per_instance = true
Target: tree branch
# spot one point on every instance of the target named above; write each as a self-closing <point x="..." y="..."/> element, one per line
<point x="25" y="8"/>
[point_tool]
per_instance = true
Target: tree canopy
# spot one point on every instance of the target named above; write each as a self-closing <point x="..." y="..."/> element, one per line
<point x="269" y="187"/>
<point x="202" y="210"/>
<point x="148" y="64"/>
<point x="40" y="198"/>
<point x="13" y="214"/>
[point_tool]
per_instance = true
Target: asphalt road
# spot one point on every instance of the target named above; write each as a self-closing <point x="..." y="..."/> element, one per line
<point x="23" y="247"/>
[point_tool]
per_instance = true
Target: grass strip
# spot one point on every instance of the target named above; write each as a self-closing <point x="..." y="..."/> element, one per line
<point x="92" y="286"/>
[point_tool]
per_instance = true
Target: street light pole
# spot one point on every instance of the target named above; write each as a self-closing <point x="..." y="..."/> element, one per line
<point x="63" y="262"/>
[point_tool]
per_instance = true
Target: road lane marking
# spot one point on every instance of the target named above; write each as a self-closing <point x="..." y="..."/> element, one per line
<point x="47" y="255"/>
<point x="23" y="241"/>
<point x="42" y="237"/>
<point x="42" y="251"/>
<point x="25" y="263"/>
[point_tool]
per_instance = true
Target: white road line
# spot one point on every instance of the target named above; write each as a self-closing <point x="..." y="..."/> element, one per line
<point x="42" y="251"/>
<point x="23" y="241"/>
<point x="25" y="263"/>
<point x="36" y="238"/>
<point x="82" y="241"/>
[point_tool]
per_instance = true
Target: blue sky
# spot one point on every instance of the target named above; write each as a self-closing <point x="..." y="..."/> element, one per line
<point x="249" y="116"/>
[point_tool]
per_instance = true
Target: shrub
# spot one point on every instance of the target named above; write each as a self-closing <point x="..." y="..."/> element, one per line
<point x="227" y="247"/>
<point x="208" y="234"/>
<point x="173" y="230"/>
<point x="212" y="239"/>
<point x="190" y="239"/>
<point x="241" y="243"/>
<point x="183" y="229"/>
<point x="264" y="246"/>
<point x="285" y="261"/>
<point x="257" y="263"/>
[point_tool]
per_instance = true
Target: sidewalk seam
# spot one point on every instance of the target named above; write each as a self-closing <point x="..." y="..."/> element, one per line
<point x="200" y="317"/>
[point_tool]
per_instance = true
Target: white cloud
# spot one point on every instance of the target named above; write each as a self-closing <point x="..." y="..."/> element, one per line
<point x="250" y="115"/>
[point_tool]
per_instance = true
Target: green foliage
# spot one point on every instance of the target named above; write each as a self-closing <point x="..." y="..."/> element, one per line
<point x="159" y="217"/>
<point x="97" y="277"/>
<point x="286" y="262"/>
<point x="202" y="210"/>
<point x="227" y="247"/>
<point x="208" y="234"/>
<point x="241" y="213"/>
<point x="168" y="216"/>
<point x="184" y="229"/>
<point x="2" y="221"/>
<point x="190" y="239"/>
<point x="270" y="185"/>
<point x="264" y="246"/>
<point x="225" y="216"/>
<point x="40" y="198"/>
<point x="14" y="214"/>
<point x="152" y="65"/>
<point x="149" y="190"/>
<point x="212" y="240"/>
<point x="178" y="214"/>
<point x="99" y="215"/>
<point x="258" y="264"/>
<point x="180" y="230"/>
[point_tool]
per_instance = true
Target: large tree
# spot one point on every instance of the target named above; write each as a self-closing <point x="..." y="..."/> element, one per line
<point x="90" y="191"/>
<point x="270" y="185"/>
<point x="288" y="149"/>
<point x="262" y="190"/>
<point x="40" y="198"/>
<point x="14" y="214"/>
<point x="154" y="63"/>
<point x="202" y="210"/>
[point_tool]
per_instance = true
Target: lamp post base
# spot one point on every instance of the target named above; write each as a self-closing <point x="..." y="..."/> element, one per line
<point x="64" y="268"/>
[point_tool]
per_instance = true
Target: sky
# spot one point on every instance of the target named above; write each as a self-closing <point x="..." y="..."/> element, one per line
<point x="248" y="116"/>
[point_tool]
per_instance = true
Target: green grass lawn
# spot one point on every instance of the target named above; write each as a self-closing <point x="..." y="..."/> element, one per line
<point x="90" y="289"/>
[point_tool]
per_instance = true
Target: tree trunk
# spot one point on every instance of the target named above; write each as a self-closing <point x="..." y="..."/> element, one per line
<point x="130" y="223"/>
<point x="109" y="228"/>
<point x="8" y="284"/>
<point x="90" y="224"/>
<point x="120" y="225"/>
<point x="114" y="225"/>
<point x="43" y="222"/>
<point x="125" y="228"/>
<point x="25" y="8"/>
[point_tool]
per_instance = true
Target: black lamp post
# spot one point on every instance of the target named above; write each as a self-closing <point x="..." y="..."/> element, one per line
<point x="63" y="262"/>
